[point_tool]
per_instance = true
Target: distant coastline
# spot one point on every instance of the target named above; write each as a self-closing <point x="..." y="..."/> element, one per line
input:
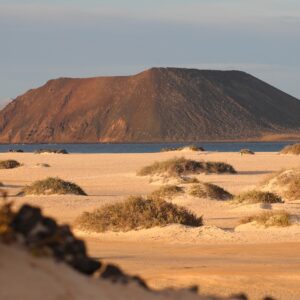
<point x="271" y="146"/>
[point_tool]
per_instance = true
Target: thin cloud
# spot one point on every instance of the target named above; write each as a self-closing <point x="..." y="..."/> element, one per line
<point x="206" y="12"/>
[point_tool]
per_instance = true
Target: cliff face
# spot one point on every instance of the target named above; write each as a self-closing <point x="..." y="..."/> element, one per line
<point x="160" y="104"/>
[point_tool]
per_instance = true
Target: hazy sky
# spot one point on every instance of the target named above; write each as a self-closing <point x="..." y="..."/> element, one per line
<point x="40" y="40"/>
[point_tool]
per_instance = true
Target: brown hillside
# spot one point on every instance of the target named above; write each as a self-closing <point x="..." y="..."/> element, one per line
<point x="160" y="104"/>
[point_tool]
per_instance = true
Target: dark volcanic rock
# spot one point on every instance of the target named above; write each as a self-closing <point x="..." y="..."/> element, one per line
<point x="16" y="150"/>
<point x="160" y="104"/>
<point x="115" y="274"/>
<point x="41" y="233"/>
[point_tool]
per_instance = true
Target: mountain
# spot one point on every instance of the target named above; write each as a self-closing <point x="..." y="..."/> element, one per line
<point x="157" y="105"/>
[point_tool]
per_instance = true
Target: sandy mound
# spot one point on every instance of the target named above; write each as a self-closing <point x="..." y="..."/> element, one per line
<point x="174" y="233"/>
<point x="291" y="149"/>
<point x="26" y="277"/>
<point x="293" y="230"/>
<point x="180" y="234"/>
<point x="53" y="254"/>
<point x="285" y="183"/>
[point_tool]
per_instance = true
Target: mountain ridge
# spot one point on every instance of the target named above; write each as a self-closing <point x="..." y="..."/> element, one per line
<point x="156" y="105"/>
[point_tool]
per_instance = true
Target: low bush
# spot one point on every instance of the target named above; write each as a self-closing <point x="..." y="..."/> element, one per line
<point x="270" y="218"/>
<point x="189" y="147"/>
<point x="291" y="149"/>
<point x="252" y="197"/>
<point x="182" y="166"/>
<point x="167" y="191"/>
<point x="209" y="190"/>
<point x="168" y="149"/>
<point x="16" y="150"/>
<point x="9" y="164"/>
<point x="57" y="151"/>
<point x="195" y="148"/>
<point x="293" y="191"/>
<point x="136" y="213"/>
<point x="52" y="186"/>
<point x="42" y="165"/>
<point x="246" y="151"/>
<point x="188" y="180"/>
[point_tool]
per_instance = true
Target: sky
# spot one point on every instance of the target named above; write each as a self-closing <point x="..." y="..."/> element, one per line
<point x="41" y="40"/>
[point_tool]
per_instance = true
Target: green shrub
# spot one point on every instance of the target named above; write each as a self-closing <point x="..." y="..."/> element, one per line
<point x="9" y="164"/>
<point x="167" y="191"/>
<point x="276" y="218"/>
<point x="291" y="149"/>
<point x="52" y="186"/>
<point x="136" y="213"/>
<point x="209" y="190"/>
<point x="181" y="166"/>
<point x="254" y="196"/>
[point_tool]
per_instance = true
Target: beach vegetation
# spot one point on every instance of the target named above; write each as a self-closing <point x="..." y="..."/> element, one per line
<point x="181" y="166"/>
<point x="188" y="180"/>
<point x="188" y="147"/>
<point x="9" y="164"/>
<point x="291" y="149"/>
<point x="254" y="196"/>
<point x="136" y="212"/>
<point x="270" y="218"/>
<point x="52" y="185"/>
<point x="246" y="151"/>
<point x="167" y="191"/>
<point x="209" y="190"/>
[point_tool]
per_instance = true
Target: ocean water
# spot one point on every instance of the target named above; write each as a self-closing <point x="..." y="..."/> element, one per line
<point x="148" y="148"/>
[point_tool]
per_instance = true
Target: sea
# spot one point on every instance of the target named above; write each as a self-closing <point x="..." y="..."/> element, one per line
<point x="148" y="148"/>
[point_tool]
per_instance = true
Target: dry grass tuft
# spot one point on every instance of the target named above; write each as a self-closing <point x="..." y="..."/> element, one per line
<point x="6" y="217"/>
<point x="246" y="151"/>
<point x="188" y="180"/>
<point x="9" y="164"/>
<point x="271" y="176"/>
<point x="195" y="148"/>
<point x="209" y="190"/>
<point x="252" y="197"/>
<point x="293" y="191"/>
<point x="136" y="213"/>
<point x="182" y="166"/>
<point x="291" y="149"/>
<point x="52" y="186"/>
<point x="42" y="165"/>
<point x="167" y="191"/>
<point x="270" y="218"/>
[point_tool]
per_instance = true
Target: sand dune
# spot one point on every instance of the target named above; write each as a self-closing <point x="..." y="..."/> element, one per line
<point x="223" y="257"/>
<point x="42" y="278"/>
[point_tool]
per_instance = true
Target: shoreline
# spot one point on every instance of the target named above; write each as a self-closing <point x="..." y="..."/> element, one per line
<point x="233" y="141"/>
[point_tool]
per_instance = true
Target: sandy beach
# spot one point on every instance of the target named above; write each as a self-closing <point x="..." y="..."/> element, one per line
<point x="222" y="257"/>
